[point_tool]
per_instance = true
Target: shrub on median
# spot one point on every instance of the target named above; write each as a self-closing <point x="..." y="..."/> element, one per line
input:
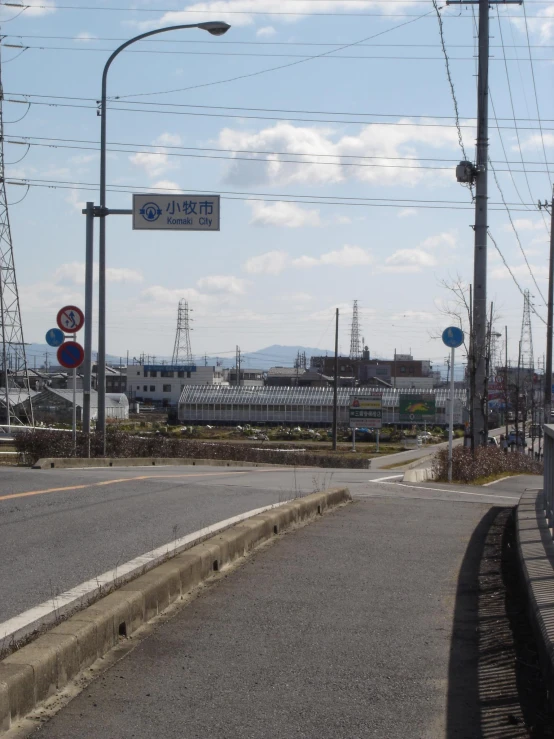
<point x="35" y="445"/>
<point x="485" y="462"/>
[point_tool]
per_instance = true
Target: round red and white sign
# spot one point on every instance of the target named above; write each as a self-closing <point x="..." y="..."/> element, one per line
<point x="70" y="319"/>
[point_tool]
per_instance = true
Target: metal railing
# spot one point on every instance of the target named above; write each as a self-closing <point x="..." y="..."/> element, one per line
<point x="549" y="473"/>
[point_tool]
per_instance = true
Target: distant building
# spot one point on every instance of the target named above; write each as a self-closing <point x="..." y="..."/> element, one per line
<point x="56" y="406"/>
<point x="248" y="377"/>
<point x="162" y="384"/>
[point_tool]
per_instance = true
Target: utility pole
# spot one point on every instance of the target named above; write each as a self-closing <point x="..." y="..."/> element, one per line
<point x="237" y="363"/>
<point x="487" y="372"/>
<point x="470" y="174"/>
<point x="549" y="326"/>
<point x="506" y="385"/>
<point x="336" y="382"/>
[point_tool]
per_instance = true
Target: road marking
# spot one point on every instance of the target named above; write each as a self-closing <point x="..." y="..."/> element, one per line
<point x="48" y="612"/>
<point x="445" y="490"/>
<point x="114" y="482"/>
<point x="506" y="477"/>
<point x="390" y="477"/>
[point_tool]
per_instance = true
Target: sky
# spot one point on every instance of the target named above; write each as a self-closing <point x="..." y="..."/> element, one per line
<point x="335" y="162"/>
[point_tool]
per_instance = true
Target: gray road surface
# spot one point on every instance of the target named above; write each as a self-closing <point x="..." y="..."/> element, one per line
<point x="76" y="524"/>
<point x="362" y="624"/>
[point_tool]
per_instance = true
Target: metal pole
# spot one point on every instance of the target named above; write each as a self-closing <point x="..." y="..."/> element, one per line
<point x="549" y="326"/>
<point x="336" y="382"/>
<point x="481" y="225"/>
<point x="451" y="416"/>
<point x="74" y="424"/>
<point x="506" y="394"/>
<point x="217" y="28"/>
<point x="354" y="439"/>
<point x="89" y="266"/>
<point x="377" y="443"/>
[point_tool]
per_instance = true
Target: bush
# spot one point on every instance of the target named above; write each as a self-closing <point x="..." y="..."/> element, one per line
<point x="35" y="445"/>
<point x="486" y="461"/>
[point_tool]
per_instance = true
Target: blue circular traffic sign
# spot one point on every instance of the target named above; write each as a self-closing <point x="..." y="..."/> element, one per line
<point x="55" y="337"/>
<point x="71" y="355"/>
<point x="453" y="337"/>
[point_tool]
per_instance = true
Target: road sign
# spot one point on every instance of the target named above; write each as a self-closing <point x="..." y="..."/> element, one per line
<point x="70" y="319"/>
<point x="71" y="355"/>
<point x="453" y="337"/>
<point x="366" y="410"/>
<point x="55" y="337"/>
<point x="177" y="212"/>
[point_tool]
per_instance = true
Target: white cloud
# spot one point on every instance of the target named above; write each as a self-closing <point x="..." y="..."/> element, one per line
<point x="74" y="272"/>
<point x="222" y="284"/>
<point x="166" y="185"/>
<point x="297" y="298"/>
<point x="73" y="199"/>
<point x="542" y="25"/>
<point x="320" y="155"/>
<point x="270" y="263"/>
<point x="521" y="270"/>
<point x="236" y="12"/>
<point x="444" y="239"/>
<point x="46" y="7"/>
<point x="535" y="141"/>
<point x="289" y="215"/>
<point x="524" y="224"/>
<point x="166" y="299"/>
<point x="348" y="256"/>
<point x="409" y="260"/>
<point x="407" y="212"/>
<point x="157" y="162"/>
<point x="85" y="36"/>
<point x="266" y="31"/>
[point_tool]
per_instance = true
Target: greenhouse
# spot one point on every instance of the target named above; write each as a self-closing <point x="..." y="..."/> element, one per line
<point x="312" y="406"/>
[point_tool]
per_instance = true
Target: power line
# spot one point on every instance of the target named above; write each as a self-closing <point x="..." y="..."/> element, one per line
<point x="535" y="90"/>
<point x="171" y="147"/>
<point x="264" y="197"/>
<point x="303" y="57"/>
<point x="262" y="118"/>
<point x="27" y="95"/>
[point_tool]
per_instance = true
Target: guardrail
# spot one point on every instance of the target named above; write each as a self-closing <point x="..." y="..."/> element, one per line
<point x="549" y="473"/>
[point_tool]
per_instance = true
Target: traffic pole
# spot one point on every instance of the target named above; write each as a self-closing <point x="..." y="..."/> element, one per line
<point x="336" y="382"/>
<point x="451" y="419"/>
<point x="89" y="279"/>
<point x="549" y="326"/>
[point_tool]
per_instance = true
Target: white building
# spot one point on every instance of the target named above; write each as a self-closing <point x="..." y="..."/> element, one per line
<point x="162" y="384"/>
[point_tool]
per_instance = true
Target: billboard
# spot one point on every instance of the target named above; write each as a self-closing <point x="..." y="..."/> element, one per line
<point x="417" y="408"/>
<point x="366" y="411"/>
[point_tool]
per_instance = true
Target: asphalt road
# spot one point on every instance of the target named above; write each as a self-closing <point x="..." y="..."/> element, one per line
<point x="60" y="528"/>
<point x="373" y="621"/>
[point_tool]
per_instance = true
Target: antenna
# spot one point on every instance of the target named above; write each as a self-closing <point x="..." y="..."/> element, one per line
<point x="11" y="328"/>
<point x="182" y="353"/>
<point x="355" y="352"/>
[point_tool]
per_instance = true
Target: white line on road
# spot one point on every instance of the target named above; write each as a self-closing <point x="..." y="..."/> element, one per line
<point x="48" y="612"/>
<point x="506" y="477"/>
<point x="390" y="477"/>
<point x="445" y="490"/>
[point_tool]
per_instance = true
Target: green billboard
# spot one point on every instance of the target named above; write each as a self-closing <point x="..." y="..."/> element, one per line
<point x="417" y="408"/>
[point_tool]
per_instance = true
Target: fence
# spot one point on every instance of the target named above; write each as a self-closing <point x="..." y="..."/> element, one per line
<point x="549" y="473"/>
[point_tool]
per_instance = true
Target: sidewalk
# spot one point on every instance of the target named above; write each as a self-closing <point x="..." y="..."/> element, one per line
<point x="374" y="621"/>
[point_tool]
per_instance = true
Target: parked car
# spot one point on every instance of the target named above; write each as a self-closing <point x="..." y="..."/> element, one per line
<point x="520" y="438"/>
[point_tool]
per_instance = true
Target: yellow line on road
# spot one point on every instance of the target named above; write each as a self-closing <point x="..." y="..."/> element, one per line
<point x="114" y="482"/>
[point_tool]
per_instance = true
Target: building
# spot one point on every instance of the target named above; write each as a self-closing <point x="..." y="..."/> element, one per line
<point x="161" y="384"/>
<point x="402" y="366"/>
<point x="312" y="406"/>
<point x="56" y="406"/>
<point x="248" y="377"/>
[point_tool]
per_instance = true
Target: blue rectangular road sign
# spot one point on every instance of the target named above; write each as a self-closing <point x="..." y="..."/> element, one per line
<point x="176" y="212"/>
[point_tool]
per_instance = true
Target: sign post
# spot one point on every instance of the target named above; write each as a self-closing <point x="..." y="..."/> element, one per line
<point x="70" y="354"/>
<point x="453" y="337"/>
<point x="365" y="410"/>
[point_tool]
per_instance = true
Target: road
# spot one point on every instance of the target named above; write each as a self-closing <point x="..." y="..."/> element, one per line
<point x="61" y="528"/>
<point x="388" y="618"/>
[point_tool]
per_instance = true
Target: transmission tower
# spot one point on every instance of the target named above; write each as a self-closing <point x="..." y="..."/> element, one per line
<point x="355" y="352"/>
<point x="527" y="361"/>
<point x="11" y="329"/>
<point x="182" y="353"/>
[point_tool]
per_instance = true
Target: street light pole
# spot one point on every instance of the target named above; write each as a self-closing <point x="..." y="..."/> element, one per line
<point x="216" y="28"/>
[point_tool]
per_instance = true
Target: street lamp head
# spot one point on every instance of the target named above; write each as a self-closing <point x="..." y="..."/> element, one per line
<point x="216" y="28"/>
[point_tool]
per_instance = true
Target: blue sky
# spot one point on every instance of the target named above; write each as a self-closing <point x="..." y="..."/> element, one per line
<point x="299" y="237"/>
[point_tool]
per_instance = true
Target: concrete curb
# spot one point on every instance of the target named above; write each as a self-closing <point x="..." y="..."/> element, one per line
<point x="36" y="671"/>
<point x="418" y="475"/>
<point x="536" y="557"/>
<point x="66" y="462"/>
